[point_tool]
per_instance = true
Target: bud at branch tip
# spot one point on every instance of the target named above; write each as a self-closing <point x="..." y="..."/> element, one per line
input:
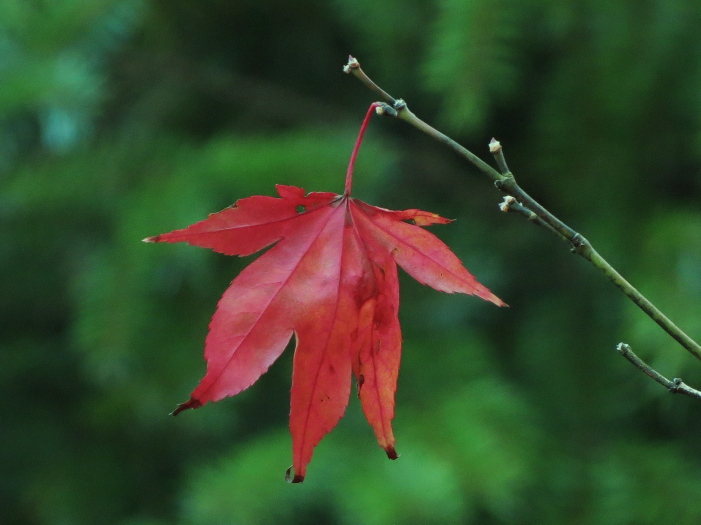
<point x="351" y="65"/>
<point x="505" y="205"/>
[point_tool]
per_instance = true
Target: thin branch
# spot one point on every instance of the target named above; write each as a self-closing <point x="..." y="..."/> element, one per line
<point x="353" y="66"/>
<point x="510" y="204"/>
<point x="506" y="183"/>
<point x="675" y="386"/>
<point x="498" y="152"/>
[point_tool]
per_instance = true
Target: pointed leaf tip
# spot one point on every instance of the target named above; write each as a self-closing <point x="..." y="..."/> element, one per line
<point x="192" y="403"/>
<point x="391" y="453"/>
<point x="290" y="479"/>
<point x="155" y="238"/>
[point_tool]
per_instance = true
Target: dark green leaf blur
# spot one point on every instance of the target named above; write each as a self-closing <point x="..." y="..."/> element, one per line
<point x="121" y="119"/>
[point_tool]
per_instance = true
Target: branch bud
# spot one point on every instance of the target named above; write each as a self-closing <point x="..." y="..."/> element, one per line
<point x="505" y="205"/>
<point x="351" y="65"/>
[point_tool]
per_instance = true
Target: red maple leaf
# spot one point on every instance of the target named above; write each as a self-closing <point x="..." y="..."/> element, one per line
<point x="331" y="279"/>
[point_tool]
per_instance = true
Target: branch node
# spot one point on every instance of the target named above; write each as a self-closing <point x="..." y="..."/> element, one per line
<point x="578" y="243"/>
<point x="676" y="385"/>
<point x="385" y="109"/>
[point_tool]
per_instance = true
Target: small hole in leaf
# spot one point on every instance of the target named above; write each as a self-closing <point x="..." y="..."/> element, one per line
<point x="301" y="209"/>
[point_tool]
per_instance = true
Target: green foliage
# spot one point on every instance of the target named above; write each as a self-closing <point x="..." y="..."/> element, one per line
<point x="124" y="118"/>
<point x="473" y="58"/>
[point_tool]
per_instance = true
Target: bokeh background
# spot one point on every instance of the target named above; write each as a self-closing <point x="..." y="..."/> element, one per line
<point x="121" y="119"/>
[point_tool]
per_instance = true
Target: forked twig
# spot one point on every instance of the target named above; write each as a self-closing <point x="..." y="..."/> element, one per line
<point x="675" y="386"/>
<point x="520" y="202"/>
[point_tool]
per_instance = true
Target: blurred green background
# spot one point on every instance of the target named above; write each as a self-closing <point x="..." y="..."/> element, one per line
<point x="121" y="119"/>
